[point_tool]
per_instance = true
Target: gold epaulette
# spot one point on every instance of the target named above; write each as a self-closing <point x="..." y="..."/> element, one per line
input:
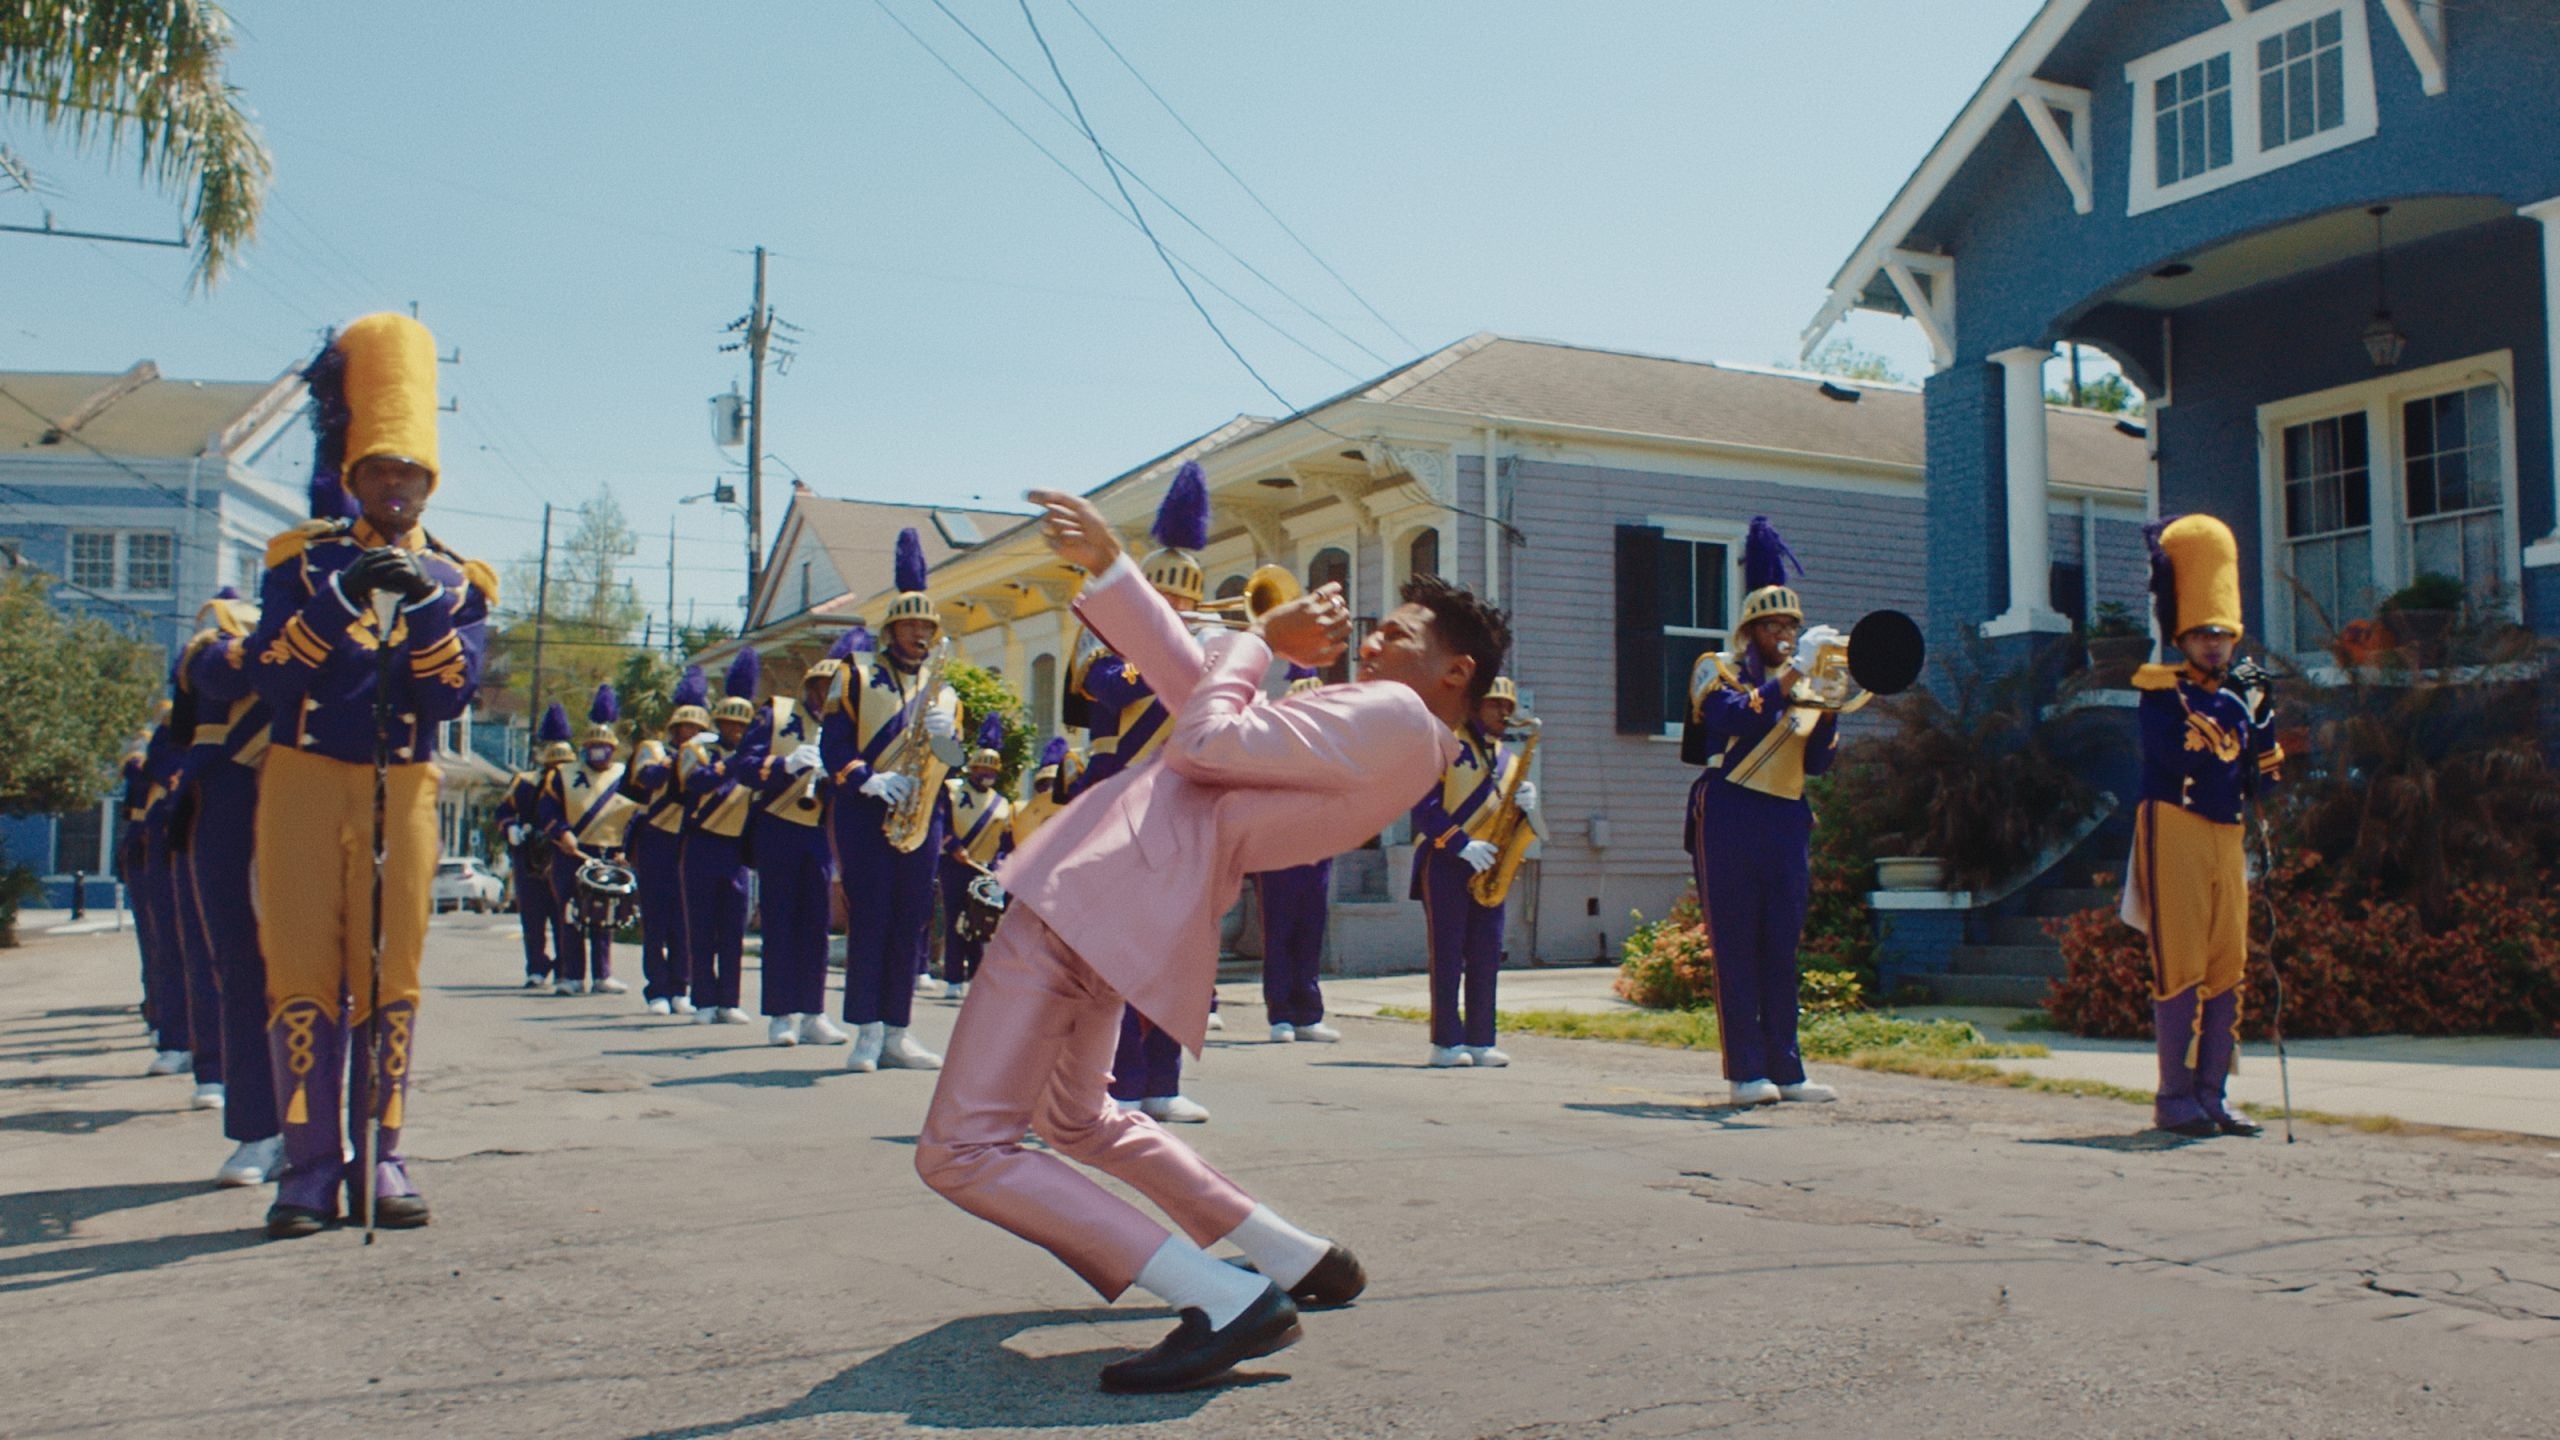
<point x="2157" y="677"/>
<point x="291" y="544"/>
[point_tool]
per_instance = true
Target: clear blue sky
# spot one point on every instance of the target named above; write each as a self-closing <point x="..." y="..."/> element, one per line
<point x="569" y="194"/>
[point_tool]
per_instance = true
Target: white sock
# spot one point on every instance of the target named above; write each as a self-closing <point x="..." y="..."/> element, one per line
<point x="1183" y="1276"/>
<point x="1281" y="1251"/>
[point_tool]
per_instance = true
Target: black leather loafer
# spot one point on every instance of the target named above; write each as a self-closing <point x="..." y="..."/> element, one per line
<point x="2240" y="1125"/>
<point x="1194" y="1353"/>
<point x="1336" y="1281"/>
<point x="2196" y="1129"/>
<point x="292" y="1222"/>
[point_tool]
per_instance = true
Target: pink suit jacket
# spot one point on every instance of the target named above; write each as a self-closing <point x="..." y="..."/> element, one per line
<point x="1134" y="874"/>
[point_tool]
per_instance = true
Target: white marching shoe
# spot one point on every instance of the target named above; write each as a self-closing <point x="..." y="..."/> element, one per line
<point x="782" y="1030"/>
<point x="567" y="987"/>
<point x="661" y="1007"/>
<point x="928" y="988"/>
<point x="867" y="1041"/>
<point x="819" y="1030"/>
<point x="1319" y="1033"/>
<point x="899" y="1051"/>
<point x="252" y="1163"/>
<point x="1176" y="1110"/>
<point x="610" y="986"/>
<point x="1217" y="1021"/>
<point x="681" y="1005"/>
<point x="209" y="1095"/>
<point x="956" y="991"/>
<point x="1807" y="1091"/>
<point x="1283" y="1034"/>
<point x="171" y="1062"/>
<point x="1450" y="1057"/>
<point x="1754" y="1092"/>
<point x="703" y="1014"/>
<point x="732" y="1015"/>
<point x="1488" y="1056"/>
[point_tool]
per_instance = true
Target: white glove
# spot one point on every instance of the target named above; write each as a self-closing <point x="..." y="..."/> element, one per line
<point x="890" y="786"/>
<point x="939" y="724"/>
<point x="1526" y="797"/>
<point x="1479" y="855"/>
<point x="516" y="834"/>
<point x="803" y="760"/>
<point x="1811" y="641"/>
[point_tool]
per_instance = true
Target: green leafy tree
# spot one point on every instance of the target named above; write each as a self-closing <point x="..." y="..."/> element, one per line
<point x="2109" y="392"/>
<point x="588" y="623"/>
<point x="143" y="75"/>
<point x="642" y="681"/>
<point x="73" y="689"/>
<point x="982" y="693"/>
<point x="1838" y="357"/>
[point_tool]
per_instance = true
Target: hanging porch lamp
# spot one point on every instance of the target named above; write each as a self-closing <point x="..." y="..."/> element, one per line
<point x="2383" y="340"/>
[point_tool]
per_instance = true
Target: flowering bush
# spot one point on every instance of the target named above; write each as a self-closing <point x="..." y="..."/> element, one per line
<point x="1670" y="964"/>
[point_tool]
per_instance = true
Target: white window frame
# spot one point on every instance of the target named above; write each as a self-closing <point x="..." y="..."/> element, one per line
<point x="115" y="560"/>
<point x="125" y="561"/>
<point x="2239" y="40"/>
<point x="2380" y="400"/>
<point x="120" y="561"/>
<point x="1699" y="530"/>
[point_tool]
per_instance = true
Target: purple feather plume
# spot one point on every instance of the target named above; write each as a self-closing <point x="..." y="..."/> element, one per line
<point x="1301" y="672"/>
<point x="910" y="566"/>
<point x="2164" y="575"/>
<point x="692" y="688"/>
<point x="991" y="734"/>
<point x="555" y="725"/>
<point x="331" y="417"/>
<point x="1765" y="557"/>
<point x="226" y="593"/>
<point x="858" y="641"/>
<point x="843" y="648"/>
<point x="606" y="707"/>
<point x="744" y="674"/>
<point x="1053" y="753"/>
<point x="1182" y="520"/>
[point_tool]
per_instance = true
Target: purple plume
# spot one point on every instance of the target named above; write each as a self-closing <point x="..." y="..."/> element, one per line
<point x="331" y="417"/>
<point x="606" y="707"/>
<point x="1765" y="557"/>
<point x="910" y="569"/>
<point x="226" y="593"/>
<point x="744" y="674"/>
<point x="1182" y="520"/>
<point x="1054" y="753"/>
<point x="858" y="641"/>
<point x="1301" y="672"/>
<point x="843" y="648"/>
<point x="554" y="726"/>
<point x="2164" y="575"/>
<point x="692" y="688"/>
<point x="991" y="734"/>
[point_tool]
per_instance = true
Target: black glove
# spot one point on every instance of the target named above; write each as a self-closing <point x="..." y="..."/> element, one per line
<point x="2252" y="679"/>
<point x="388" y="568"/>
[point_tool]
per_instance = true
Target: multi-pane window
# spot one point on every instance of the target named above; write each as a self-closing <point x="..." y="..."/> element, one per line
<point x="2191" y="120"/>
<point x="2453" y="475"/>
<point x="150" y="563"/>
<point x="2302" y="81"/>
<point x="1697" y="614"/>
<point x="139" y="562"/>
<point x="93" y="559"/>
<point x="2328" y="524"/>
<point x="250" y="568"/>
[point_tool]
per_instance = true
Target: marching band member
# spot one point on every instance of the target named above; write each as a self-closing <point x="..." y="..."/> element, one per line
<point x="1466" y="937"/>
<point x="1749" y="826"/>
<point x="1117" y="902"/>
<point x="132" y="868"/>
<point x="712" y="770"/>
<point x="1129" y="725"/>
<point x="172" y="820"/>
<point x="2208" y="740"/>
<point x="231" y="728"/>
<point x="888" y="893"/>
<point x="529" y="861"/>
<point x="315" y="658"/>
<point x="795" y="867"/>
<point x="1296" y="903"/>
<point x="155" y="903"/>
<point x="657" y="847"/>
<point x="977" y="823"/>
<point x="584" y="816"/>
<point x="536" y="859"/>
<point x="1053" y="781"/>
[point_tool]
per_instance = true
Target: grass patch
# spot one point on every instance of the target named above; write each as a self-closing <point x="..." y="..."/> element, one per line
<point x="1841" y="1037"/>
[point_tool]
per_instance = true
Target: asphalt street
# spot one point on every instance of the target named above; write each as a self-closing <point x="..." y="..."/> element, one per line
<point x="646" y="1228"/>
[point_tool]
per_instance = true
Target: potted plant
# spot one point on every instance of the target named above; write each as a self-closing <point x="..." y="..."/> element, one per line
<point x="2118" y="644"/>
<point x="2420" y="616"/>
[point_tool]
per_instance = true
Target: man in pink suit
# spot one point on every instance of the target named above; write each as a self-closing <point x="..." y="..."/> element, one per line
<point x="1117" y="899"/>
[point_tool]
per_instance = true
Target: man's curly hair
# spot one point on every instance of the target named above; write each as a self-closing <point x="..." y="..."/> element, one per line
<point x="1466" y="624"/>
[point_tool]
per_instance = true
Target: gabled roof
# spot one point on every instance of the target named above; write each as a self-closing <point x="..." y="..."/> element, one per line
<point x="860" y="538"/>
<point x="139" y="414"/>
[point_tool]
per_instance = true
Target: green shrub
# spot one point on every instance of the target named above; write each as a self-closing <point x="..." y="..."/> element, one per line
<point x="1670" y="964"/>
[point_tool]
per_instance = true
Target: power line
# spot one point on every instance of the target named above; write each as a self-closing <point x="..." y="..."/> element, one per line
<point x="1239" y="179"/>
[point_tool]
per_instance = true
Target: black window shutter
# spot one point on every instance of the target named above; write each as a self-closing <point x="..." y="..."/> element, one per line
<point x="1639" y="630"/>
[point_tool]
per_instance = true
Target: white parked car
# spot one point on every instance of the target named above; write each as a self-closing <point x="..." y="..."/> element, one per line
<point x="465" y="884"/>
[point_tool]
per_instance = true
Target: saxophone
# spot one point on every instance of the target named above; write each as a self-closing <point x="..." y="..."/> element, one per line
<point x="911" y="755"/>
<point x="1505" y="826"/>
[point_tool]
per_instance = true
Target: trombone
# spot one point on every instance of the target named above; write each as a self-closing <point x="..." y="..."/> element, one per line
<point x="1265" y="590"/>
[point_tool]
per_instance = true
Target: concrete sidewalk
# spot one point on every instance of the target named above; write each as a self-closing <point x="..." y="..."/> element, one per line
<point x="2492" y="1082"/>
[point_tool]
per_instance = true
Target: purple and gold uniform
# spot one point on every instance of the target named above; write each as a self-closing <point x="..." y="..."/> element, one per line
<point x="583" y="812"/>
<point x="131" y="863"/>
<point x="977" y="826"/>
<point x="794" y="858"/>
<point x="1053" y="781"/>
<point x="529" y="867"/>
<point x="716" y="778"/>
<point x="657" y="844"/>
<point x="1465" y="937"/>
<point x="1750" y="829"/>
<point x="230" y="744"/>
<point x="2206" y="747"/>
<point x="181" y="982"/>
<point x="315" y="659"/>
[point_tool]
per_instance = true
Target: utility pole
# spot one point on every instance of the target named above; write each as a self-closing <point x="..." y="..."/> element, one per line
<point x="759" y="338"/>
<point x="675" y="643"/>
<point x="541" y="611"/>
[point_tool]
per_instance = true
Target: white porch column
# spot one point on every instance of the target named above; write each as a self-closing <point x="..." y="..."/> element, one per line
<point x="2030" y="489"/>
<point x="2546" y="551"/>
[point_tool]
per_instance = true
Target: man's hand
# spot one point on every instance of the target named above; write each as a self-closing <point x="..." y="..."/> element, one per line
<point x="1526" y="797"/>
<point x="1312" y="630"/>
<point x="2255" y="686"/>
<point x="516" y="834"/>
<point x="1814" y="640"/>
<point x="1076" y="531"/>
<point x="386" y="567"/>
<point x="803" y="760"/>
<point x="1480" y="855"/>
<point x="939" y="724"/>
<point x="889" y="786"/>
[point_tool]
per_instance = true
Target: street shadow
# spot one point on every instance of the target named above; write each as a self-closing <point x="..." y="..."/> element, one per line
<point x="960" y="1375"/>
<point x="91" y="1010"/>
<point x="683" y="1052"/>
<point x="1378" y="1065"/>
<point x="2138" y="1143"/>
<point x="1701" y="1111"/>
<point x="62" y="1082"/>
<point x="31" y="1217"/>
<point x="71" y="1122"/>
<point x="84" y="1052"/>
<point x="756" y="1079"/>
<point x="46" y="1269"/>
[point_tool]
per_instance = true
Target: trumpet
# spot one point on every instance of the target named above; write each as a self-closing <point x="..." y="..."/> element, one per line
<point x="1265" y="590"/>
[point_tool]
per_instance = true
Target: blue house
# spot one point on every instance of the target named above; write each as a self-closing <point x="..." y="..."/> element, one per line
<point x="2318" y="236"/>
<point x="2316" y="233"/>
